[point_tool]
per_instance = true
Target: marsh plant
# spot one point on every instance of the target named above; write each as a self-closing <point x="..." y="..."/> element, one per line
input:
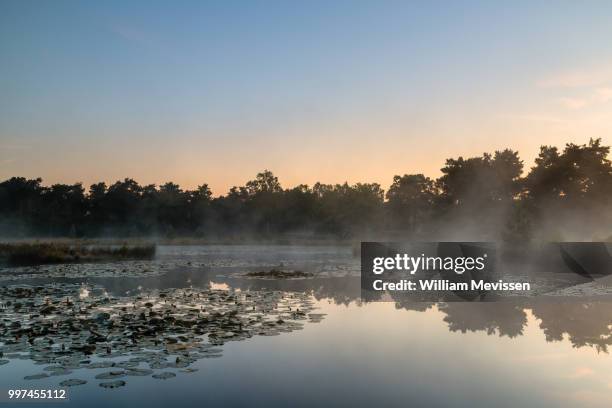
<point x="36" y="253"/>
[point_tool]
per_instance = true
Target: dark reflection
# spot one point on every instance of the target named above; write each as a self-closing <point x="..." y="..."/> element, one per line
<point x="504" y="319"/>
<point x="586" y="323"/>
<point x="583" y="323"/>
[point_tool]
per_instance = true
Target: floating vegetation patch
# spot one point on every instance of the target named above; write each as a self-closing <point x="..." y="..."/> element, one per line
<point x="159" y="333"/>
<point x="111" y="375"/>
<point x="163" y="376"/>
<point x="99" y="364"/>
<point x="278" y="274"/>
<point x="126" y="269"/>
<point x="72" y="382"/>
<point x="113" y="384"/>
<point x="36" y="376"/>
<point x="138" y="372"/>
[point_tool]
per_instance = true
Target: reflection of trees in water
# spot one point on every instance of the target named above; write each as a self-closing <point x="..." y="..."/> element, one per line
<point x="414" y="306"/>
<point x="505" y="319"/>
<point x="585" y="323"/>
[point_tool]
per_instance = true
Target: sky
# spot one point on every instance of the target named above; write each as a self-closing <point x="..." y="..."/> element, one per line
<point x="213" y="92"/>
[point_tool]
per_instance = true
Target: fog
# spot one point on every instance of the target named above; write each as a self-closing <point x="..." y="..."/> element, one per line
<point x="565" y="196"/>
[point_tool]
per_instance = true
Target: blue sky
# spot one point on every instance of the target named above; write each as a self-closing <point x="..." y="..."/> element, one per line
<point x="334" y="90"/>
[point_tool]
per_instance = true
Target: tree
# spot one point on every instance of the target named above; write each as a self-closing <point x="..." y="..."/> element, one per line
<point x="410" y="200"/>
<point x="265" y="182"/>
<point x="481" y="180"/>
<point x="122" y="204"/>
<point x="63" y="209"/>
<point x="473" y="194"/>
<point x="346" y="209"/>
<point x="20" y="205"/>
<point x="171" y="208"/>
<point x="199" y="207"/>
<point x="582" y="173"/>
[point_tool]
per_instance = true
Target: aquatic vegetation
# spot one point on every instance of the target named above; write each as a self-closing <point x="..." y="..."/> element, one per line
<point x="163" y="376"/>
<point x="72" y="382"/>
<point x="111" y="375"/>
<point x="36" y="376"/>
<point x="138" y="372"/>
<point x="39" y="253"/>
<point x="113" y="384"/>
<point x="56" y="326"/>
<point x="125" y="269"/>
<point x="278" y="274"/>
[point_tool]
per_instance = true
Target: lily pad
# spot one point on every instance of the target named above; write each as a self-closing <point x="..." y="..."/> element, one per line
<point x="72" y="382"/>
<point x="164" y="375"/>
<point x="110" y="375"/>
<point x="140" y="372"/>
<point x="112" y="384"/>
<point x="36" y="376"/>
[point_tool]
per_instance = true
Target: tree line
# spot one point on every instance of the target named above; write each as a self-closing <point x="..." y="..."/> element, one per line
<point x="482" y="197"/>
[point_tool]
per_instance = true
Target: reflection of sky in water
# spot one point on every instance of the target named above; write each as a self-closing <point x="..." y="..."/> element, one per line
<point x="364" y="355"/>
<point x="378" y="354"/>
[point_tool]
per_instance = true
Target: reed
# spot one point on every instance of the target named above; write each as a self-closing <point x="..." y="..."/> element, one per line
<point x="38" y="253"/>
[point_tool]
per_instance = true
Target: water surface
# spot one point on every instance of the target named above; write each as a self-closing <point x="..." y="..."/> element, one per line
<point x="552" y="353"/>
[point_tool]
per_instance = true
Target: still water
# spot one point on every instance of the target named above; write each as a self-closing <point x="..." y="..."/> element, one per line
<point x="511" y="354"/>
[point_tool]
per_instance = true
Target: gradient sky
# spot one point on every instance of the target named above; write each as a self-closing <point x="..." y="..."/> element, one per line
<point x="328" y="91"/>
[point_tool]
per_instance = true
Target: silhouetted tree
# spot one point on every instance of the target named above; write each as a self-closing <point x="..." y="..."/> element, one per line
<point x="20" y="205"/>
<point x="63" y="209"/>
<point x="347" y="209"/>
<point x="487" y="191"/>
<point x="580" y="173"/>
<point x="199" y="209"/>
<point x="265" y="182"/>
<point x="482" y="180"/>
<point x="171" y="208"/>
<point x="410" y="200"/>
<point x="299" y="209"/>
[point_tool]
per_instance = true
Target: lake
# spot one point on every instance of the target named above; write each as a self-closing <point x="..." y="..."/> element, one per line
<point x="508" y="354"/>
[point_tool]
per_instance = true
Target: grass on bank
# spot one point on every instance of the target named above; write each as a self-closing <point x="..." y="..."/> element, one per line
<point x="39" y="253"/>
